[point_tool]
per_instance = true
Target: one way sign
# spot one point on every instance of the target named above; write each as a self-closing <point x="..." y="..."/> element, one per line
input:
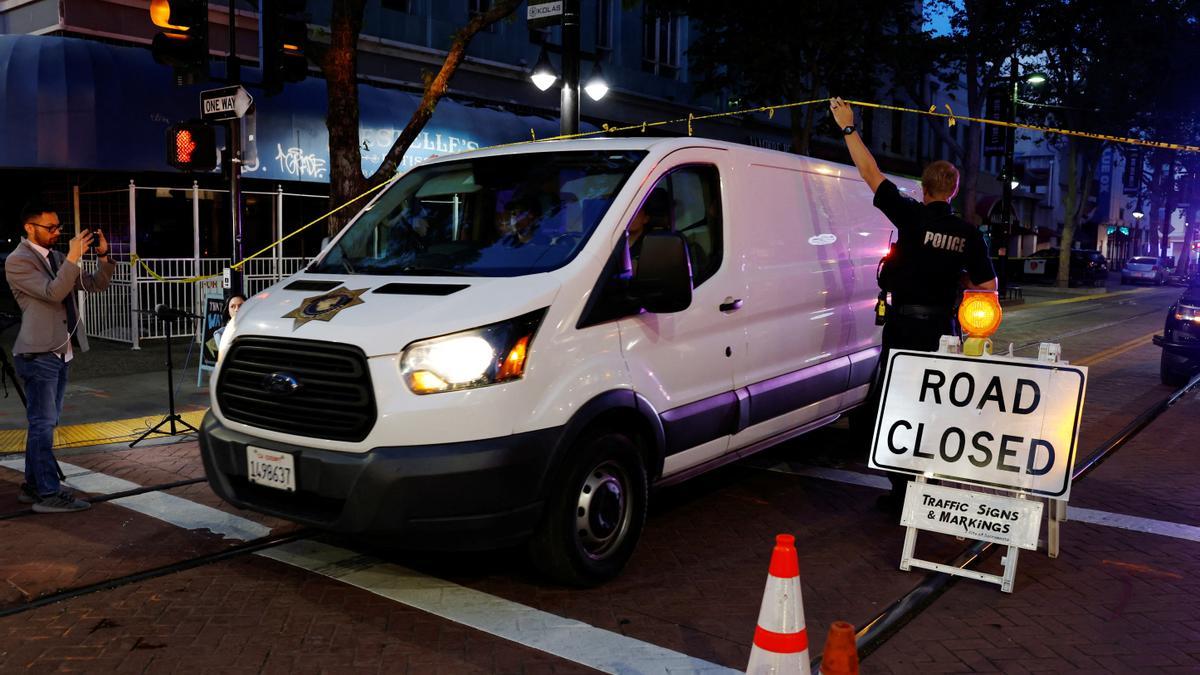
<point x="226" y="103"/>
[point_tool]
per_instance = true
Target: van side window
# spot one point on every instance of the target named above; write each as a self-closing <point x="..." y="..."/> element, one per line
<point x="688" y="201"/>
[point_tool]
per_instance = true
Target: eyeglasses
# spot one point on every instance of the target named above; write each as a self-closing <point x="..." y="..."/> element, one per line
<point x="48" y="228"/>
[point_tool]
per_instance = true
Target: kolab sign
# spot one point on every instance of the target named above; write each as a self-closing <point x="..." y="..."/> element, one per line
<point x="996" y="422"/>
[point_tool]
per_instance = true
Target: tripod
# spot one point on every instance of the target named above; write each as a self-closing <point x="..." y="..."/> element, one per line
<point x="172" y="418"/>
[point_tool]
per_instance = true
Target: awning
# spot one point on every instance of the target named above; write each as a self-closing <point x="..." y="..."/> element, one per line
<point x="69" y="103"/>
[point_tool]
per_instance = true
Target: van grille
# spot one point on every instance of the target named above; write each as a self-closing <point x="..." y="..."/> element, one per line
<point x="302" y="387"/>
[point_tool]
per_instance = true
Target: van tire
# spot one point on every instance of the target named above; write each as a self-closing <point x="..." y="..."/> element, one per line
<point x="604" y="463"/>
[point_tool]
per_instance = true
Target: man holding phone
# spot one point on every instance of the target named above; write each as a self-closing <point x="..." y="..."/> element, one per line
<point x="44" y="282"/>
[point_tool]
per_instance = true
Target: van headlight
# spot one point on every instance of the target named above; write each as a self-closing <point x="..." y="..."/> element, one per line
<point x="1187" y="313"/>
<point x="472" y="358"/>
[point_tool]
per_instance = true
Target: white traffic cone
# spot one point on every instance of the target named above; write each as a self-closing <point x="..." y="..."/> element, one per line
<point x="780" y="640"/>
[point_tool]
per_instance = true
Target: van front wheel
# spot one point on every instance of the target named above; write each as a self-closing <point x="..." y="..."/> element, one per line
<point x="595" y="513"/>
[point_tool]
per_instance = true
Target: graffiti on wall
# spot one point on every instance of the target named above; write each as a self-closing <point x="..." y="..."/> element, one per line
<point x="295" y="162"/>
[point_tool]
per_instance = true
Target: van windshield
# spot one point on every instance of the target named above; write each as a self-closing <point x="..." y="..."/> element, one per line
<point x="503" y="216"/>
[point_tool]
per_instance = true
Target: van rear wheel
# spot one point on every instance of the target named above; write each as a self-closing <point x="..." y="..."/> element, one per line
<point x="595" y="513"/>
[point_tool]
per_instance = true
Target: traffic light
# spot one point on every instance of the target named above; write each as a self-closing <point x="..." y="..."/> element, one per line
<point x="192" y="146"/>
<point x="283" y="28"/>
<point x="183" y="41"/>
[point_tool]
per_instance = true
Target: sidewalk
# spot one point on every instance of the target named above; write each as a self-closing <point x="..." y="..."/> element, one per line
<point x="110" y="384"/>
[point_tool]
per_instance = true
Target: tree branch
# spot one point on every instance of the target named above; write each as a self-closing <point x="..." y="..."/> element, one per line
<point x="436" y="88"/>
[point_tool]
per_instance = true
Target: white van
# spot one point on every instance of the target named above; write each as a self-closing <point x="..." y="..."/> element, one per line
<point x="514" y="345"/>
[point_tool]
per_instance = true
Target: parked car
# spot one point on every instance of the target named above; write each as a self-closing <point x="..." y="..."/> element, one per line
<point x="1088" y="267"/>
<point x="1142" y="269"/>
<point x="1180" y="340"/>
<point x="570" y="324"/>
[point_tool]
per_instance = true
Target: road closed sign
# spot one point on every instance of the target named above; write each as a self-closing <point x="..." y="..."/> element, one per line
<point x="995" y="421"/>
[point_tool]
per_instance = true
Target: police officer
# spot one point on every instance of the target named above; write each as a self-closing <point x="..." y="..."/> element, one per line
<point x="936" y="255"/>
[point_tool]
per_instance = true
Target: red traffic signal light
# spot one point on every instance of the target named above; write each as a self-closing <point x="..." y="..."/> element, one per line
<point x="183" y="42"/>
<point x="192" y="146"/>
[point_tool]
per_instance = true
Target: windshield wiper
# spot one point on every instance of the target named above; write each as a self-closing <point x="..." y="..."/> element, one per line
<point x="432" y="271"/>
<point x="317" y="267"/>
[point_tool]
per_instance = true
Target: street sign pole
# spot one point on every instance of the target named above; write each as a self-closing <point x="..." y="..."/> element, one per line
<point x="235" y="201"/>
<point x="569" y="102"/>
<point x="235" y="158"/>
<point x="231" y="104"/>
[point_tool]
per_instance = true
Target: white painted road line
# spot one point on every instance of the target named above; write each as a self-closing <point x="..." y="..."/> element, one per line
<point x="171" y="509"/>
<point x="1074" y="513"/>
<point x="565" y="638"/>
<point x="1134" y="523"/>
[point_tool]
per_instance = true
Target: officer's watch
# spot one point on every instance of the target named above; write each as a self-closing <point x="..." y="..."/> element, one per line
<point x="849" y="129"/>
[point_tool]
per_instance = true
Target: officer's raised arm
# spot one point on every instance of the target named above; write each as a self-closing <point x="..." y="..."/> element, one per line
<point x="843" y="114"/>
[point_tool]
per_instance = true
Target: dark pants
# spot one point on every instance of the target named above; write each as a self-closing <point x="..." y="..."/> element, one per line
<point x="45" y="378"/>
<point x="906" y="332"/>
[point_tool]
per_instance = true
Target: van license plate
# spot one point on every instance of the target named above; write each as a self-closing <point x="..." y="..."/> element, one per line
<point x="270" y="468"/>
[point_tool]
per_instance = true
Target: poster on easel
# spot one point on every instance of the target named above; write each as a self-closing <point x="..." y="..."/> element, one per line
<point x="214" y="317"/>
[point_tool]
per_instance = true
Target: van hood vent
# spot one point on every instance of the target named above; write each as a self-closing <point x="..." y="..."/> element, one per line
<point x="399" y="288"/>
<point x="312" y="285"/>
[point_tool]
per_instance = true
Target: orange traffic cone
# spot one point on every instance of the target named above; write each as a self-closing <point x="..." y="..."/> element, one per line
<point x="841" y="654"/>
<point x="780" y="640"/>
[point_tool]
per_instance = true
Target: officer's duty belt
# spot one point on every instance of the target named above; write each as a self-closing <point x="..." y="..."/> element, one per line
<point x="923" y="311"/>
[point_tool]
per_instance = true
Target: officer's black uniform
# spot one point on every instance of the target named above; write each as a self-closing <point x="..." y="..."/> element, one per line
<point x="924" y="275"/>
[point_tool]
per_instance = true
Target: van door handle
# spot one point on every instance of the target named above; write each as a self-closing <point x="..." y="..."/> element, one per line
<point x="731" y="305"/>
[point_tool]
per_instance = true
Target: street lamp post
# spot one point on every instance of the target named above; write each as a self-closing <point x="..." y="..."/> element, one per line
<point x="544" y="76"/>
<point x="569" y="109"/>
<point x="1010" y="174"/>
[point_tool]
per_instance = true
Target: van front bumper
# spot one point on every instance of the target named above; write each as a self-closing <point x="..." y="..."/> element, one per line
<point x="471" y="495"/>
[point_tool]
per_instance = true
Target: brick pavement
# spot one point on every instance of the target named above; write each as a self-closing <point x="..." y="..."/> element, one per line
<point x="252" y="615"/>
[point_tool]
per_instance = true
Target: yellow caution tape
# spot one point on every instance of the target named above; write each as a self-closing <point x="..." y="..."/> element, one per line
<point x="238" y="265"/>
<point x="1035" y="127"/>
<point x="605" y="129"/>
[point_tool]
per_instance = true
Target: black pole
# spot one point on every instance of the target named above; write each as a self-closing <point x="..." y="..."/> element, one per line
<point x="170" y="378"/>
<point x="569" y="111"/>
<point x="1010" y="137"/>
<point x="235" y="160"/>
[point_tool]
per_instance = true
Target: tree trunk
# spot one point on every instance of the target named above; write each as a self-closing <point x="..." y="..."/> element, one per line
<point x="1189" y="237"/>
<point x="1193" y="216"/>
<point x="1154" y="203"/>
<point x="437" y="86"/>
<point x="339" y="64"/>
<point x="1170" y="204"/>
<point x="799" y="142"/>
<point x="340" y="67"/>
<point x="973" y="138"/>
<point x="1078" y="189"/>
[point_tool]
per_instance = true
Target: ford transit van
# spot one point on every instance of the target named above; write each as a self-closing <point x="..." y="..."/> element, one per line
<point x="514" y="345"/>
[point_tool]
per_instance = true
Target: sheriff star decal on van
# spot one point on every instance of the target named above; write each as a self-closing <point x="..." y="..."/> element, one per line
<point x="324" y="307"/>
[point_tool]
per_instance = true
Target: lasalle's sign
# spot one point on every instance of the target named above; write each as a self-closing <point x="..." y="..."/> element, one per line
<point x="995" y="421"/>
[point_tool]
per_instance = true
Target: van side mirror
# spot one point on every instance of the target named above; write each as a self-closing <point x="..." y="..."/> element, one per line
<point x="663" y="281"/>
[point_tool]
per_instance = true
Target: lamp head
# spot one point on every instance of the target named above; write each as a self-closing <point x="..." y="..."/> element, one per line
<point x="543" y="74"/>
<point x="596" y="86"/>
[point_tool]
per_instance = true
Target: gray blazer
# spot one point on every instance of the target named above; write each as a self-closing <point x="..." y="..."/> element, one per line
<point x="40" y="295"/>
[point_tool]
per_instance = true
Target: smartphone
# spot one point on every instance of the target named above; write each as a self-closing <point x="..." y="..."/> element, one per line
<point x="95" y="239"/>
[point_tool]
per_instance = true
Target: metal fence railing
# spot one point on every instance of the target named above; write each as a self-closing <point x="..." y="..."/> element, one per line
<point x="110" y="314"/>
<point x="119" y="313"/>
